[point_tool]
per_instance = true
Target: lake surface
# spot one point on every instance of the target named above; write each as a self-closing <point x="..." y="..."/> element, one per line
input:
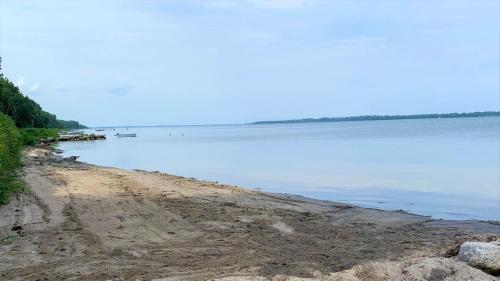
<point x="445" y="168"/>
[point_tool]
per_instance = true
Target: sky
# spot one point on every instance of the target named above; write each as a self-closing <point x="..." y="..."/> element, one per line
<point x="160" y="62"/>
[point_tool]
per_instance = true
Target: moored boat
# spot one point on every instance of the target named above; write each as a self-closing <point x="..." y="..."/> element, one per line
<point x="126" y="135"/>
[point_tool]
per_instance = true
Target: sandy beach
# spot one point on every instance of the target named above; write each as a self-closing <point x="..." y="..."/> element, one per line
<point x="77" y="221"/>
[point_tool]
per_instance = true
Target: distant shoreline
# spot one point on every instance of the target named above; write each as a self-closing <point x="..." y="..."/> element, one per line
<point x="322" y="120"/>
<point x="383" y="117"/>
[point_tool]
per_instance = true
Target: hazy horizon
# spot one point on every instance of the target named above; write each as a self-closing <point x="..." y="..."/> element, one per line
<point x="279" y="120"/>
<point x="139" y="63"/>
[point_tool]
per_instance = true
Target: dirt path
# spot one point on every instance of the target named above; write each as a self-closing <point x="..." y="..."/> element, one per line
<point x="82" y="222"/>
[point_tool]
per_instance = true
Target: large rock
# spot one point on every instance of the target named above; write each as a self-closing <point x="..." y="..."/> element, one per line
<point x="485" y="256"/>
<point x="414" y="269"/>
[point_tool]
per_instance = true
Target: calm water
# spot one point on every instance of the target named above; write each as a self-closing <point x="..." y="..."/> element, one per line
<point x="446" y="168"/>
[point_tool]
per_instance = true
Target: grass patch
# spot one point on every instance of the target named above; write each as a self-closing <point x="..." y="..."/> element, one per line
<point x="32" y="136"/>
<point x="10" y="186"/>
<point x="7" y="239"/>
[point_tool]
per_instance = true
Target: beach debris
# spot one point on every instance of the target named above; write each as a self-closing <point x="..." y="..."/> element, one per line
<point x="481" y="255"/>
<point x="283" y="227"/>
<point x="72" y="158"/>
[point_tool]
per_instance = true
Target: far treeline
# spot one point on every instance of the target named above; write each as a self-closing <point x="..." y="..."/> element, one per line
<point x="384" y="117"/>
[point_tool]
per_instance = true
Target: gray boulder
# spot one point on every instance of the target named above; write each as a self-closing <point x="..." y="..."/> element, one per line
<point x="485" y="256"/>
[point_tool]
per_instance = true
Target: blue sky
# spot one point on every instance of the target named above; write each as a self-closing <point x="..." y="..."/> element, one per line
<point x="230" y="61"/>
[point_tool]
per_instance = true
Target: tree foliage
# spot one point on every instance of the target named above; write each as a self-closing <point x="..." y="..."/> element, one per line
<point x="25" y="112"/>
<point x="70" y="124"/>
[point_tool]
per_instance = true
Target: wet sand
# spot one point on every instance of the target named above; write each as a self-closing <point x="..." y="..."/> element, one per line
<point x="77" y="221"/>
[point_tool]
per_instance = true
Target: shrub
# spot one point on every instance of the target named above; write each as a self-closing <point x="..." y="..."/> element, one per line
<point x="10" y="157"/>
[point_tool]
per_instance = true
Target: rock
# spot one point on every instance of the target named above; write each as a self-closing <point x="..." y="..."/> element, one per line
<point x="476" y="237"/>
<point x="484" y="256"/>
<point x="80" y="137"/>
<point x="415" y="269"/>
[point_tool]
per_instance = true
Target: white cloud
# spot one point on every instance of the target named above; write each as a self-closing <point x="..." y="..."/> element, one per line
<point x="20" y="82"/>
<point x="34" y="87"/>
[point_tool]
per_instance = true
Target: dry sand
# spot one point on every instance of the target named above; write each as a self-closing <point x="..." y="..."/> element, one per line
<point x="77" y="221"/>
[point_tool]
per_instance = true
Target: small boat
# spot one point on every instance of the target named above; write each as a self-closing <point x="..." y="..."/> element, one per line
<point x="99" y="130"/>
<point x="126" y="135"/>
